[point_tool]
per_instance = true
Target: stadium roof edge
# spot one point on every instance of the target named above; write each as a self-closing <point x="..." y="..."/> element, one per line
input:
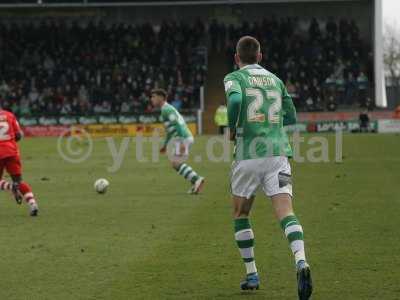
<point x="158" y="3"/>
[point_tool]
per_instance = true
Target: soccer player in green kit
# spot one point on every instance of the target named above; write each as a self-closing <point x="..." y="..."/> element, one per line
<point x="258" y="108"/>
<point x="179" y="134"/>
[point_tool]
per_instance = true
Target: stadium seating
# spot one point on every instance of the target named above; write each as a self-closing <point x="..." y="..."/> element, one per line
<point x="62" y="68"/>
<point x="322" y="67"/>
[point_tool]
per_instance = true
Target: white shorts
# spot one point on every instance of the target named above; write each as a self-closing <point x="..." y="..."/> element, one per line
<point x="182" y="146"/>
<point x="273" y="174"/>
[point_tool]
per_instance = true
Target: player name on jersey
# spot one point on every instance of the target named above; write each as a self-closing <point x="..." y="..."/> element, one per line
<point x="262" y="81"/>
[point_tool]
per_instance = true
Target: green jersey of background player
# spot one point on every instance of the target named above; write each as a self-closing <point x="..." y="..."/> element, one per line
<point x="180" y="136"/>
<point x="258" y="108"/>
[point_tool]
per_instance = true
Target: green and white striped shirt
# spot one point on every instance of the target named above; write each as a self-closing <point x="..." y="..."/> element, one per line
<point x="175" y="125"/>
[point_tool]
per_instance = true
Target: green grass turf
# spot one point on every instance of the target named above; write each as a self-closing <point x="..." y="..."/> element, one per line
<point x="147" y="239"/>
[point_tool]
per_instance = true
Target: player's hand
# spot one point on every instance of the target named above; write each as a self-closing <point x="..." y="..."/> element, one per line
<point x="182" y="149"/>
<point x="163" y="150"/>
<point x="232" y="135"/>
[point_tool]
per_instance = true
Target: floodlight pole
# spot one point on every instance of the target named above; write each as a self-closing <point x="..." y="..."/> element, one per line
<point x="380" y="86"/>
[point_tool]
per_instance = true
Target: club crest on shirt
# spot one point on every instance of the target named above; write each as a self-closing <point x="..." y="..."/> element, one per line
<point x="228" y="85"/>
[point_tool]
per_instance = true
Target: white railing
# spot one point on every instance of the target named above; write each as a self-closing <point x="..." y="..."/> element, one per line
<point x="200" y="112"/>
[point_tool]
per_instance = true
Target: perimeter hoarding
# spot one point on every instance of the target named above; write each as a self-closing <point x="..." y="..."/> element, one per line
<point x="101" y="130"/>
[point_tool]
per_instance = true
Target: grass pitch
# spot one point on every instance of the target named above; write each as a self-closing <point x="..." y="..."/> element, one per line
<point x="147" y="239"/>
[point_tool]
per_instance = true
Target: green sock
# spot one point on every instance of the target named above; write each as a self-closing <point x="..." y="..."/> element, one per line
<point x="244" y="237"/>
<point x="187" y="172"/>
<point x="294" y="233"/>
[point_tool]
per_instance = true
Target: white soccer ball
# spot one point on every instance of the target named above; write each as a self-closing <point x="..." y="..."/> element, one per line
<point x="101" y="185"/>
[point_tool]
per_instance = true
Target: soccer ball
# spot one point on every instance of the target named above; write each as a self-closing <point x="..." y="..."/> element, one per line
<point x="101" y="185"/>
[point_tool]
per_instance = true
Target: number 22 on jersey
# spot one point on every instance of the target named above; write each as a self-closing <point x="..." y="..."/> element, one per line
<point x="253" y="110"/>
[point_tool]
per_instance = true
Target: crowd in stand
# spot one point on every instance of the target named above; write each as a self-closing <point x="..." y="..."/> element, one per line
<point x="323" y="66"/>
<point x="60" y="68"/>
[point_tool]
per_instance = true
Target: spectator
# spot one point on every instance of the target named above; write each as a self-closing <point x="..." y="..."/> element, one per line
<point x="66" y="108"/>
<point x="369" y="104"/>
<point x="305" y="94"/>
<point x="185" y="103"/>
<point x="310" y="104"/>
<point x="106" y="107"/>
<point x="331" y="27"/>
<point x="98" y="109"/>
<point x="351" y="88"/>
<point x="33" y="95"/>
<point x="314" y="30"/>
<point x="362" y="84"/>
<point x="24" y="108"/>
<point x="125" y="107"/>
<point x="75" y="106"/>
<point x="221" y="117"/>
<point x="364" y="121"/>
<point x="291" y="88"/>
<point x="331" y="105"/>
<point x="340" y="89"/>
<point x="4" y="89"/>
<point x="177" y="102"/>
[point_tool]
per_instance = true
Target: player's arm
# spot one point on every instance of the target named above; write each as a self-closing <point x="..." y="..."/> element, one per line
<point x="234" y="103"/>
<point x="169" y="119"/>
<point x="168" y="137"/>
<point x="19" y="136"/>
<point x="233" y="93"/>
<point x="288" y="108"/>
<point x="17" y="129"/>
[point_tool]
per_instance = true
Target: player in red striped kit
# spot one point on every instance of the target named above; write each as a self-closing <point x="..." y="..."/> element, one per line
<point x="10" y="134"/>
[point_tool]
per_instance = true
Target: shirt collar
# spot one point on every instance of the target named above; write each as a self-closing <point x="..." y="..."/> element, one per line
<point x="253" y="66"/>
